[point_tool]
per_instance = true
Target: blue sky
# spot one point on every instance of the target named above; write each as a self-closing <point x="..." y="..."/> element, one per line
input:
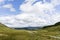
<point x="15" y="3"/>
<point x="29" y="13"/>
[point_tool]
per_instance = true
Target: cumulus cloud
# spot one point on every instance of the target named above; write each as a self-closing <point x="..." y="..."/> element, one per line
<point x="5" y="0"/>
<point x="9" y="6"/>
<point x="37" y="15"/>
<point x="10" y="0"/>
<point x="1" y="0"/>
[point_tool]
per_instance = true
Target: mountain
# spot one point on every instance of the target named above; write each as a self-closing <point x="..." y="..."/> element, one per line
<point x="36" y="28"/>
<point x="28" y="28"/>
<point x="56" y="24"/>
<point x="2" y="25"/>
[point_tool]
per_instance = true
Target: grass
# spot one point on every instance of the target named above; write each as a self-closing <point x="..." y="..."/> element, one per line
<point x="40" y="34"/>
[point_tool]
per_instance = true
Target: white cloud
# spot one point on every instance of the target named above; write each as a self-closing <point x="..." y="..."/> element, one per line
<point x="12" y="10"/>
<point x="10" y="0"/>
<point x="9" y="6"/>
<point x="5" y="0"/>
<point x="36" y="15"/>
<point x="2" y="1"/>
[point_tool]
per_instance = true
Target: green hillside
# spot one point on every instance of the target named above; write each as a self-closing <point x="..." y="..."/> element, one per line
<point x="46" y="33"/>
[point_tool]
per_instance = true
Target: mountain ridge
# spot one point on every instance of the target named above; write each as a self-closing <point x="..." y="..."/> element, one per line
<point x="36" y="28"/>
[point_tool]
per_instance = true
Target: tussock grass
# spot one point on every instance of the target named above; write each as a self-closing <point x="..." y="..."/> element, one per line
<point x="40" y="34"/>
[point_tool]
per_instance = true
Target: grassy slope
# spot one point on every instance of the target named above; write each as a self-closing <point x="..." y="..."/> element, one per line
<point x="40" y="34"/>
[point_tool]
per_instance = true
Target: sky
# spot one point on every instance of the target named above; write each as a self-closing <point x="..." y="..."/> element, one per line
<point x="29" y="13"/>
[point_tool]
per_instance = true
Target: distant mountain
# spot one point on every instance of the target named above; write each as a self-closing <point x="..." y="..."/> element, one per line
<point x="36" y="28"/>
<point x="28" y="28"/>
